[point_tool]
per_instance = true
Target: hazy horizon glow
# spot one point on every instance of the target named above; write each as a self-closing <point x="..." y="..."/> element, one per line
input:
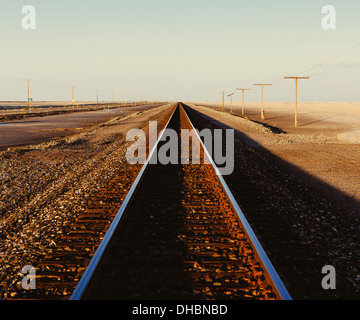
<point x="179" y="50"/>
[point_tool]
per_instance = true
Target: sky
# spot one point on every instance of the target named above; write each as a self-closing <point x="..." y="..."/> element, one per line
<point x="179" y="50"/>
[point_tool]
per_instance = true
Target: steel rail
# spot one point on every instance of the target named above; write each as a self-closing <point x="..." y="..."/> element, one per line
<point x="85" y="279"/>
<point x="261" y="254"/>
<point x="269" y="270"/>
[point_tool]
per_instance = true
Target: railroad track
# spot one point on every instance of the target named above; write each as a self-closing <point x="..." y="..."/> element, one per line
<point x="179" y="234"/>
<point x="60" y="269"/>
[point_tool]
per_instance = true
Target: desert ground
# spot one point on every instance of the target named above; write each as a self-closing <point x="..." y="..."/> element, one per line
<point x="339" y="120"/>
<point x="44" y="184"/>
<point x="52" y="166"/>
<point x="326" y="143"/>
<point x="37" y="129"/>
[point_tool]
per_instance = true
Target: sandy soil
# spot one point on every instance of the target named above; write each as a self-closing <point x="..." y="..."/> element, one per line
<point x="41" y="129"/>
<point x="316" y="151"/>
<point x="336" y="120"/>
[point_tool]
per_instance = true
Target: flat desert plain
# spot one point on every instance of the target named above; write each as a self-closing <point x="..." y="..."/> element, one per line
<point x="339" y="120"/>
<point x="326" y="143"/>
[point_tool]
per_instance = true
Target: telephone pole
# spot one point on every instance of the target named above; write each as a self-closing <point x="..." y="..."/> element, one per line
<point x="97" y="97"/>
<point x="230" y="95"/>
<point x="296" y="99"/>
<point x="223" y="101"/>
<point x="28" y="94"/>
<point x="262" y="98"/>
<point x="73" y="100"/>
<point x="242" y="113"/>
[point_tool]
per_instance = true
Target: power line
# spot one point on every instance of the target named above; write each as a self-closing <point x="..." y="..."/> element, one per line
<point x="332" y="59"/>
<point x="336" y="69"/>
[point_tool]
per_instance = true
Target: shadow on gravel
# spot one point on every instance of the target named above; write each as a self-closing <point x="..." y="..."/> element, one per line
<point x="302" y="222"/>
<point x="312" y="122"/>
<point x="271" y="128"/>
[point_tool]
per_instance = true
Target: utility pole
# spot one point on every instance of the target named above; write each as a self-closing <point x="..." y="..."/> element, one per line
<point x="223" y="101"/>
<point x="242" y="113"/>
<point x="73" y="100"/>
<point x="28" y="94"/>
<point x="113" y="96"/>
<point x="230" y="95"/>
<point x="296" y="99"/>
<point x="262" y="98"/>
<point x="97" y="97"/>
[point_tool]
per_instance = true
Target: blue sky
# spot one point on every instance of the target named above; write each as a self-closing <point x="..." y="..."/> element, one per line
<point x="179" y="50"/>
